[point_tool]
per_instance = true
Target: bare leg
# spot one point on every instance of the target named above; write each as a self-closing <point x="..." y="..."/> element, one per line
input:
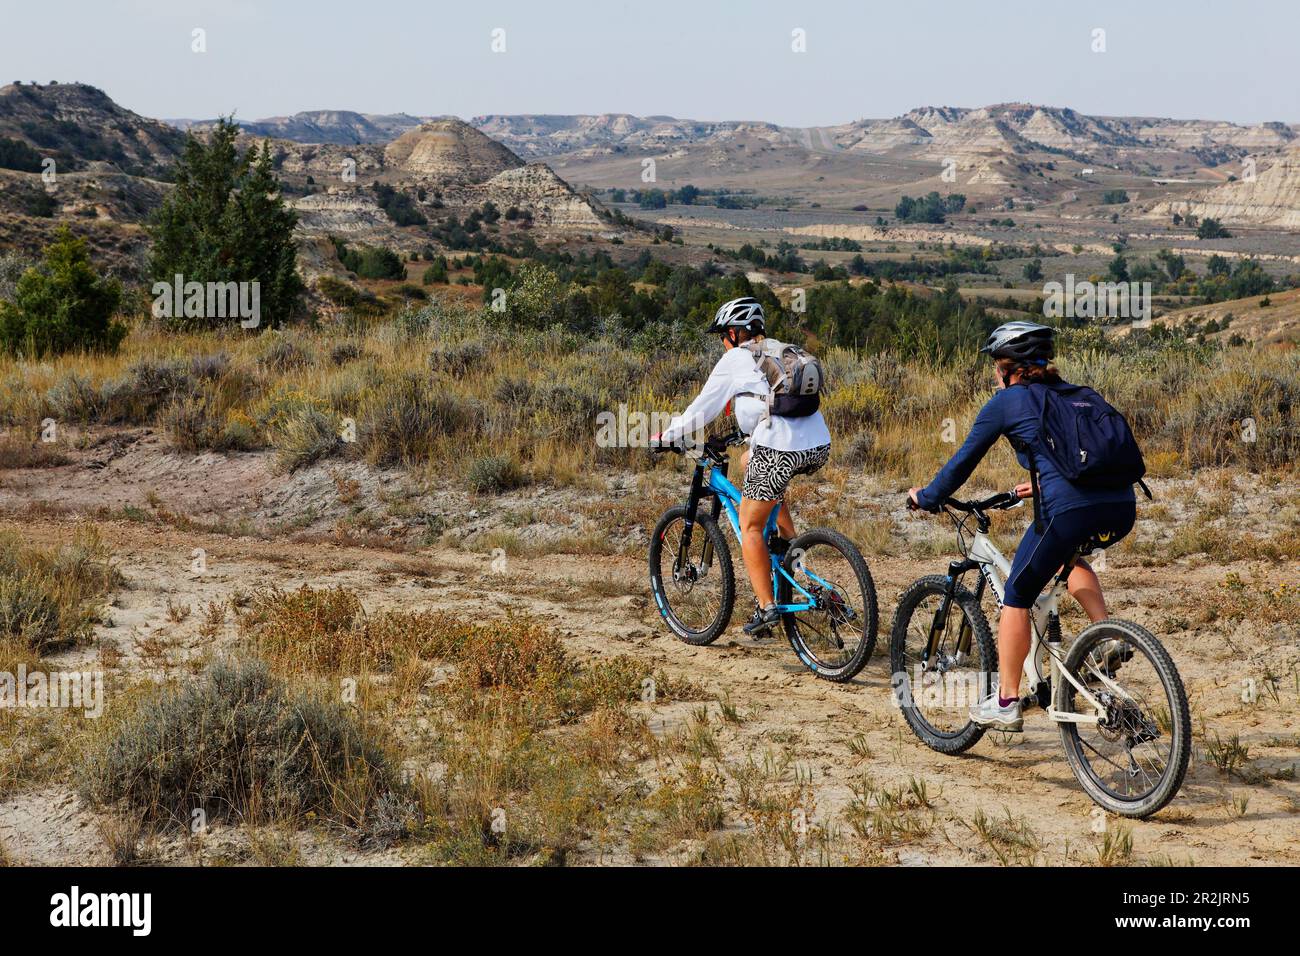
<point x="1086" y="589"/>
<point x="1013" y="648"/>
<point x="758" y="564"/>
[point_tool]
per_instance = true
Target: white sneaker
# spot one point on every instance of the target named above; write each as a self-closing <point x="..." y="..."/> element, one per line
<point x="989" y="713"/>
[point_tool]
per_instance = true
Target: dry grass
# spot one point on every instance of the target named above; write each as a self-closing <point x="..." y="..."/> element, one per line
<point x="51" y="599"/>
<point x="441" y="388"/>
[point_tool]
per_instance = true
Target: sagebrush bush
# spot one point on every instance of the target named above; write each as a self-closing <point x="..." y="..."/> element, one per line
<point x="286" y="351"/>
<point x="494" y="473"/>
<point x="304" y="437"/>
<point x="241" y="745"/>
<point x="457" y="358"/>
<point x="198" y="422"/>
<point x="51" y="599"/>
<point x="406" y="418"/>
<point x="345" y="352"/>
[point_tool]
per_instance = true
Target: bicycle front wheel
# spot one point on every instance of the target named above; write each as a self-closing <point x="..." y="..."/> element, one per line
<point x="942" y="661"/>
<point x="1133" y="760"/>
<point x="835" y="636"/>
<point x="695" y="591"/>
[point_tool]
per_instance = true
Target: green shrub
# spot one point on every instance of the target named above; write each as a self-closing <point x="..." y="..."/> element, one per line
<point x="436" y="272"/>
<point x="15" y="154"/>
<point x="63" y="305"/>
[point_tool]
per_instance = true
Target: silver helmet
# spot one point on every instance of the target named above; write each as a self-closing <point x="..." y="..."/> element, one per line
<point x="1022" y="341"/>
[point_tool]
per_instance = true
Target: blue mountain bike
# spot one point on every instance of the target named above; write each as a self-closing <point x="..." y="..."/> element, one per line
<point x="821" y="582"/>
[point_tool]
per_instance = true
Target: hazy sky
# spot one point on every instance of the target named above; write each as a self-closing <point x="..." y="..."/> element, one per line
<point x="1233" y="59"/>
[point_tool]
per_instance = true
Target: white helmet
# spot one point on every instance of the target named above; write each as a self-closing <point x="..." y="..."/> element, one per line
<point x="743" y="313"/>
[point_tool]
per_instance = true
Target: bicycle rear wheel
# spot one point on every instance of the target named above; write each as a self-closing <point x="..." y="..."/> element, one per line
<point x="695" y="595"/>
<point x="1133" y="761"/>
<point x="836" y="636"/>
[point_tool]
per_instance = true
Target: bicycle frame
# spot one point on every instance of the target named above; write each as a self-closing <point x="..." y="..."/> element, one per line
<point x="710" y="481"/>
<point x="1045" y="630"/>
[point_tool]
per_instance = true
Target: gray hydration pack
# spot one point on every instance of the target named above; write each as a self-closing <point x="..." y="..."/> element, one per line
<point x="795" y="378"/>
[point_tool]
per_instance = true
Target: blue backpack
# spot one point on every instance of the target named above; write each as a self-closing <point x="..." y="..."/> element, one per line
<point x="1085" y="437"/>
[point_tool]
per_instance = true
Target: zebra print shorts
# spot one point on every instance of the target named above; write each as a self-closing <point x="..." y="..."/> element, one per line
<point x="770" y="471"/>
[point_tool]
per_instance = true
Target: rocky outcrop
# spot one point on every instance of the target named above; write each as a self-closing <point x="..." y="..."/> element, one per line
<point x="931" y="132"/>
<point x="1271" y="199"/>
<point x="350" y="214"/>
<point x="550" y="199"/>
<point x="448" y="152"/>
<point x="327" y="164"/>
<point x="339" y="127"/>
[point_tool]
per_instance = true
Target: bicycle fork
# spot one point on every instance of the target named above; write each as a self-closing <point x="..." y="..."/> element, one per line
<point x="697" y="491"/>
<point x="939" y="625"/>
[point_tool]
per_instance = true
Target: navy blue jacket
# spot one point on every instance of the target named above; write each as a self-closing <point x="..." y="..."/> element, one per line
<point x="1013" y="411"/>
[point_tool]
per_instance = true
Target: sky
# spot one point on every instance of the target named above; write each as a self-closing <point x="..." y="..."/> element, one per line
<point x="704" y="59"/>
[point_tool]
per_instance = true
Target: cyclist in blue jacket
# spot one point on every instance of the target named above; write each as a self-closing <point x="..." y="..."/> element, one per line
<point x="1071" y="515"/>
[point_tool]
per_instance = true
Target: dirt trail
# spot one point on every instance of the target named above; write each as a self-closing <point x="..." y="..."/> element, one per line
<point x="600" y="606"/>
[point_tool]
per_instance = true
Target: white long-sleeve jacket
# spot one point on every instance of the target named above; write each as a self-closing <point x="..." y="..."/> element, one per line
<point x="737" y="373"/>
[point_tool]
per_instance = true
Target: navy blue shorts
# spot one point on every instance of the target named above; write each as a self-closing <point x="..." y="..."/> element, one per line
<point x="1039" y="557"/>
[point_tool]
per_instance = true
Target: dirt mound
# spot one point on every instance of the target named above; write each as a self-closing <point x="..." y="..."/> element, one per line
<point x="448" y="152"/>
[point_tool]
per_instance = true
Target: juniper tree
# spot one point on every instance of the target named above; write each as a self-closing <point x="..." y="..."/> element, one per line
<point x="226" y="221"/>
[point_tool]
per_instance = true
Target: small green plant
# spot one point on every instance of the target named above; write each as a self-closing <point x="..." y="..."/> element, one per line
<point x="1116" y="847"/>
<point x="1227" y="756"/>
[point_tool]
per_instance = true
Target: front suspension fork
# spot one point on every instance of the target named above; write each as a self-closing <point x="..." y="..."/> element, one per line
<point x="939" y="624"/>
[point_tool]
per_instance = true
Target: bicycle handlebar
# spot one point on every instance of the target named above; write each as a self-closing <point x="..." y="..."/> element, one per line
<point x="998" y="502"/>
<point x="715" y="446"/>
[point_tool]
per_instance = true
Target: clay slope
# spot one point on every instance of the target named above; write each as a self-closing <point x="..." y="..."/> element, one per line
<point x="1271" y="199"/>
<point x="536" y="187"/>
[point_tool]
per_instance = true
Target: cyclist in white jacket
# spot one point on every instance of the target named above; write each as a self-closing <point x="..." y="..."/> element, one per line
<point x="780" y="447"/>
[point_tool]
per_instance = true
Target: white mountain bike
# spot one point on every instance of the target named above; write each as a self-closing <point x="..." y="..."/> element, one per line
<point x="1114" y="691"/>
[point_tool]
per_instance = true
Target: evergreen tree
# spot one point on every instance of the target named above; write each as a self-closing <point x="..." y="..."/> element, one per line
<point x="226" y="221"/>
<point x="62" y="305"/>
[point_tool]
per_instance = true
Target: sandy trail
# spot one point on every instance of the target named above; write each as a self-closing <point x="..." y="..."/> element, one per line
<point x="785" y="706"/>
